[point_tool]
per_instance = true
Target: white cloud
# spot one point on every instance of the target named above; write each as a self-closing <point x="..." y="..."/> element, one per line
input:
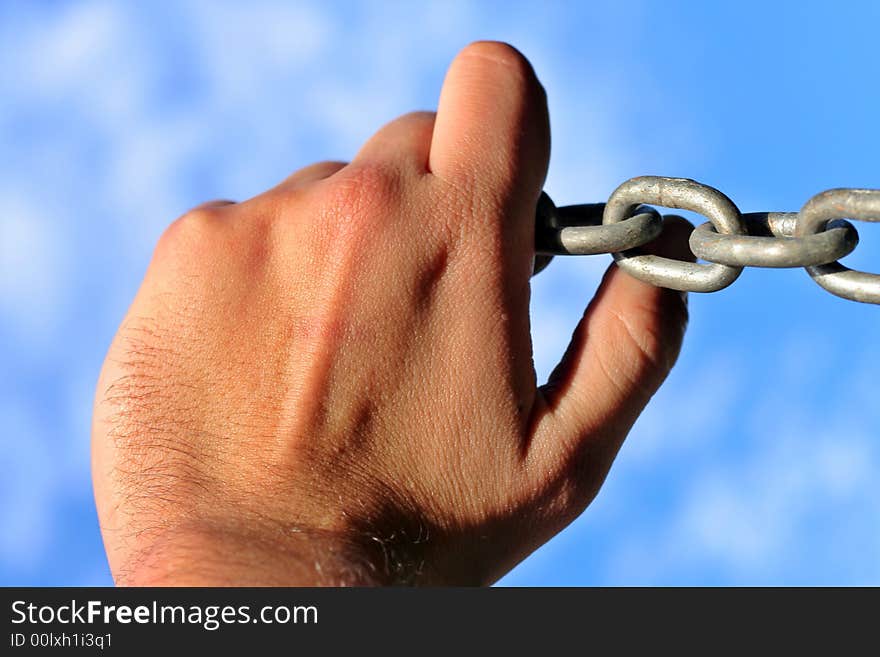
<point x="58" y="55"/>
<point x="800" y="490"/>
<point x="35" y="272"/>
<point x="28" y="488"/>
<point x="704" y="398"/>
<point x="750" y="518"/>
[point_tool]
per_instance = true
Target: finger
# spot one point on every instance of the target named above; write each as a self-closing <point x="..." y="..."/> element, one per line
<point x="312" y="173"/>
<point x="406" y="140"/>
<point x="621" y="351"/>
<point x="492" y="123"/>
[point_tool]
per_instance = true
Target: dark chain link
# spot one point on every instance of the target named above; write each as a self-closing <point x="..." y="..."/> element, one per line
<point x="814" y="238"/>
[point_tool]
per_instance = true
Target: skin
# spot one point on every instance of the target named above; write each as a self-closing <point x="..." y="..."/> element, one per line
<point x="332" y="382"/>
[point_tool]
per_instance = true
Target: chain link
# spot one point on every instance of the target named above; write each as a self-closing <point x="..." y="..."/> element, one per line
<point x="814" y="238"/>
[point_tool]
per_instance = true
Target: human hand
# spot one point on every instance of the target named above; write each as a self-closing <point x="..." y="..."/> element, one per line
<point x="332" y="382"/>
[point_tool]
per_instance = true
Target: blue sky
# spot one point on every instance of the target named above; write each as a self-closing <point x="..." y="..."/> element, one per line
<point x="757" y="463"/>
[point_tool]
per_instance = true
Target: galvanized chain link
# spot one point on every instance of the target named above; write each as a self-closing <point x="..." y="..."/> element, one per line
<point x="814" y="238"/>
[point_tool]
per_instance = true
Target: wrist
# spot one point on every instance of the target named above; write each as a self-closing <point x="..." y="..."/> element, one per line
<point x="212" y="555"/>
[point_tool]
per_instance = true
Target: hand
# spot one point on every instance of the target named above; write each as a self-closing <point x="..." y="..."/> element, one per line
<point x="332" y="382"/>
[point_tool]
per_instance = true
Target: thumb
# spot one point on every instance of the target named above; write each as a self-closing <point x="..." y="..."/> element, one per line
<point x="622" y="350"/>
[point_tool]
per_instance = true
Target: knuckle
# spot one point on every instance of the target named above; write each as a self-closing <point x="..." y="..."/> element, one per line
<point x="190" y="229"/>
<point x="361" y="199"/>
<point x="202" y="218"/>
<point x="322" y="168"/>
<point x="330" y="164"/>
<point x="419" y="116"/>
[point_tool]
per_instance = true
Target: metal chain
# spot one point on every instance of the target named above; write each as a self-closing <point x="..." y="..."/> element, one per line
<point x="814" y="238"/>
